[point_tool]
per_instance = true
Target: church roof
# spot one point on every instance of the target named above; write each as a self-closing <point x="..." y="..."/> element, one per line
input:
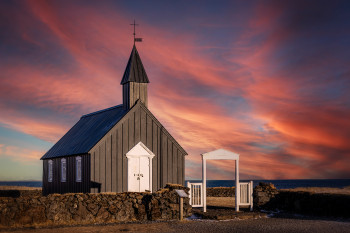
<point x="86" y="132"/>
<point x="134" y="71"/>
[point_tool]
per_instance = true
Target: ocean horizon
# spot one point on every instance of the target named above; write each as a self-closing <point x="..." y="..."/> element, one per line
<point x="280" y="184"/>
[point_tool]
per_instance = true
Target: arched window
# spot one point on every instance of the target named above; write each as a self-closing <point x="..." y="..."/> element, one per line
<point x="49" y="175"/>
<point x="63" y="170"/>
<point x="78" y="169"/>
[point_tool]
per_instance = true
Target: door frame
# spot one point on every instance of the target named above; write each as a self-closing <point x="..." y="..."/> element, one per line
<point x="140" y="150"/>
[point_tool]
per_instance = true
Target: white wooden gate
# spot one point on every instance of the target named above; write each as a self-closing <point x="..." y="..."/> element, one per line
<point x="196" y="194"/>
<point x="246" y="194"/>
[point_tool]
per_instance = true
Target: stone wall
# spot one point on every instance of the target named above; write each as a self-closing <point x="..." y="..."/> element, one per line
<point x="322" y="204"/>
<point x="221" y="192"/>
<point x="267" y="197"/>
<point x="264" y="195"/>
<point x="78" y="208"/>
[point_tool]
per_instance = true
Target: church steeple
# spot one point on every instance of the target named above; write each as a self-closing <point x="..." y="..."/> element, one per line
<point x="134" y="81"/>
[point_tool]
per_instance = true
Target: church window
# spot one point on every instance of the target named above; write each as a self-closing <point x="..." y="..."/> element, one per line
<point x="78" y="169"/>
<point x="49" y="178"/>
<point x="63" y="170"/>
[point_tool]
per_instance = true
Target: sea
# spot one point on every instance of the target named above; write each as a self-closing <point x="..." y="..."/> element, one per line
<point x="283" y="184"/>
<point x="280" y="184"/>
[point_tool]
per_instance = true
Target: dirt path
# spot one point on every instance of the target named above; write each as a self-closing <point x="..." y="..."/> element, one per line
<point x="251" y="225"/>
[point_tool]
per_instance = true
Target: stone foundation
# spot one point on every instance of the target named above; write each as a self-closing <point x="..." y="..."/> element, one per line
<point x="78" y="208"/>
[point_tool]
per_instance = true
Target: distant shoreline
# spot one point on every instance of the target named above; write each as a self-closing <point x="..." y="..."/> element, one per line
<point x="279" y="184"/>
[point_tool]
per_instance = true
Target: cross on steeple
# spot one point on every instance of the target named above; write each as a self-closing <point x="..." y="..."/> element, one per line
<point x="136" y="39"/>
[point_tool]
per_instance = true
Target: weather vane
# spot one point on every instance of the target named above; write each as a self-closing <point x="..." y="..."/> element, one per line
<point x="136" y="39"/>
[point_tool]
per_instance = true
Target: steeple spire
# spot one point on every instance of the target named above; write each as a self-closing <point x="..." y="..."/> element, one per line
<point x="135" y="79"/>
<point x="134" y="71"/>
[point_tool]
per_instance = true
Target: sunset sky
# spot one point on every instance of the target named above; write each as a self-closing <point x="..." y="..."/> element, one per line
<point x="269" y="80"/>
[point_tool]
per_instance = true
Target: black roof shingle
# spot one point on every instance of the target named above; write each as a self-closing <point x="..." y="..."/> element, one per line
<point x="86" y="132"/>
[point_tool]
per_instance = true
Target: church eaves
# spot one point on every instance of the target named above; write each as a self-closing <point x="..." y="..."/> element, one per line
<point x="134" y="72"/>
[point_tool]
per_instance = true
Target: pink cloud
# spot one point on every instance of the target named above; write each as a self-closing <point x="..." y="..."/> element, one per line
<point x="20" y="154"/>
<point x="278" y="133"/>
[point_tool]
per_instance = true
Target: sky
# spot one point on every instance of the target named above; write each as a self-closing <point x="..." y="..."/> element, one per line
<point x="268" y="80"/>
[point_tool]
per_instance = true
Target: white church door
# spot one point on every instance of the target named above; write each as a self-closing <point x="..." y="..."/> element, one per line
<point x="139" y="168"/>
<point x="138" y="177"/>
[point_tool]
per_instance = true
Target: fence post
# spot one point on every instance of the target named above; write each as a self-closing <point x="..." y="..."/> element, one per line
<point x="189" y="192"/>
<point x="181" y="208"/>
<point x="251" y="195"/>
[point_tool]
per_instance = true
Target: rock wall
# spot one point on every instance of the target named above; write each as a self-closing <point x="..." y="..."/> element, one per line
<point x="322" y="204"/>
<point x="267" y="197"/>
<point x="221" y="192"/>
<point x="264" y="195"/>
<point x="78" y="208"/>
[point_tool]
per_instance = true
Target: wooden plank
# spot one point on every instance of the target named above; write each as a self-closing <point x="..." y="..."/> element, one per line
<point x="103" y="166"/>
<point x="175" y="180"/>
<point x="126" y="95"/>
<point x="146" y="95"/>
<point x="170" y="162"/>
<point x="57" y="183"/>
<point x="164" y="154"/>
<point x="155" y="158"/>
<point x="141" y="93"/>
<point x="159" y="159"/>
<point x="114" y="161"/>
<point x="52" y="184"/>
<point x="183" y="169"/>
<point x="131" y="94"/>
<point x="93" y="166"/>
<point x="179" y="165"/>
<point x="93" y="179"/>
<point x="87" y="175"/>
<point x="119" y="160"/>
<point x="143" y="126"/>
<point x="108" y="163"/>
<point x="149" y="133"/>
<point x="71" y="173"/>
<point x="137" y="125"/>
<point x="76" y="185"/>
<point x="136" y="92"/>
<point x="125" y="150"/>
<point x="129" y="97"/>
<point x="97" y="165"/>
<point x="44" y="177"/>
<point x="132" y="130"/>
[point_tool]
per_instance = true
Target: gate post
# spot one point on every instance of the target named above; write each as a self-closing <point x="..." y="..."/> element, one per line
<point x="204" y="180"/>
<point x="238" y="191"/>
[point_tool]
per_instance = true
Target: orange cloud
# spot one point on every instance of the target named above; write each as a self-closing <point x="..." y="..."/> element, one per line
<point x="247" y="101"/>
<point x="20" y="154"/>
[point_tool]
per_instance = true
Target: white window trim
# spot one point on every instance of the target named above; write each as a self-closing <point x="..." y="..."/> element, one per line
<point x="50" y="171"/>
<point x="64" y="161"/>
<point x="77" y="175"/>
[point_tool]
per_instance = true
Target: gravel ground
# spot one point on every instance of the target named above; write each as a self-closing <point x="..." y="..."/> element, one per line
<point x="279" y="224"/>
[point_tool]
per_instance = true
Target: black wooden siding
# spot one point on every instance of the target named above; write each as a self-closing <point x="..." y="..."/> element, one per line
<point x="133" y="92"/>
<point x="70" y="186"/>
<point x="109" y="163"/>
